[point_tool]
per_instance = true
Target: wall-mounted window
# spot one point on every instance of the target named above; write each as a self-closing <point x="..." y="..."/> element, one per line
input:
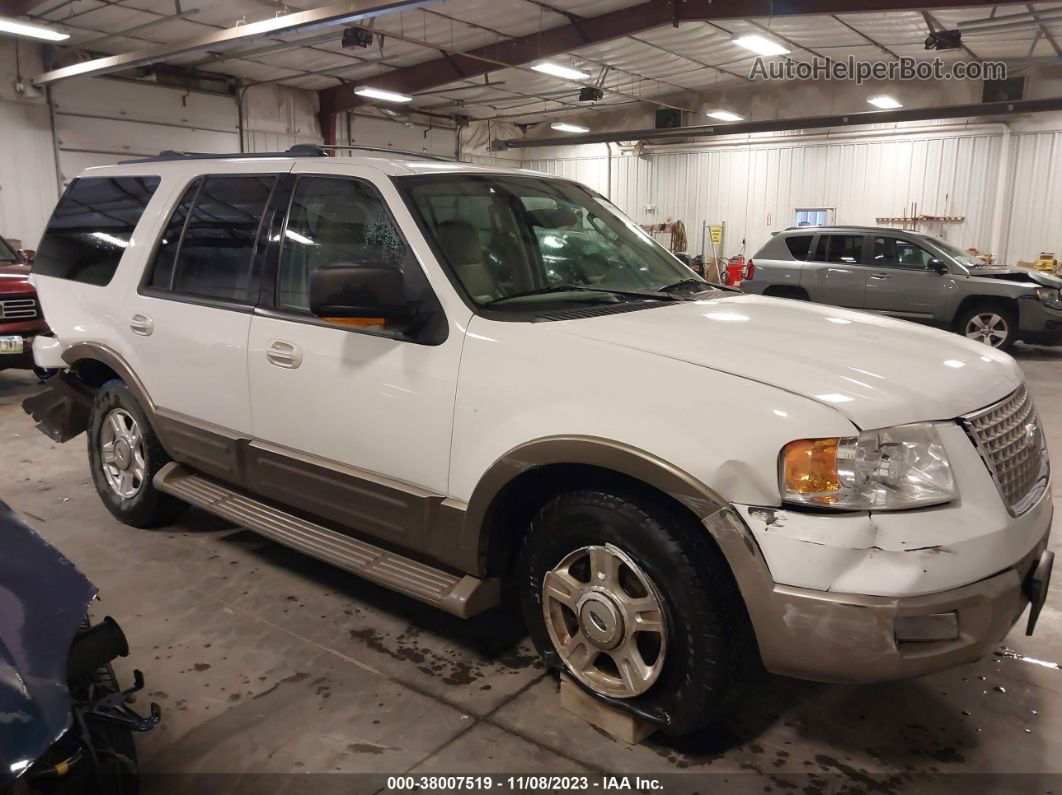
<point x="814" y="216"/>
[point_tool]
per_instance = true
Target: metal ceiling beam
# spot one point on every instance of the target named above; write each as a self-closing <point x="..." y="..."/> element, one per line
<point x="800" y="123"/>
<point x="1043" y="29"/>
<point x="303" y="20"/>
<point x="604" y="27"/>
<point x="873" y="41"/>
<point x="16" y="8"/>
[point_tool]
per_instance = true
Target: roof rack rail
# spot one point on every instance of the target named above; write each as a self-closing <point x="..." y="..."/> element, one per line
<point x="298" y="150"/>
<point x="354" y="147"/>
<point x="173" y="154"/>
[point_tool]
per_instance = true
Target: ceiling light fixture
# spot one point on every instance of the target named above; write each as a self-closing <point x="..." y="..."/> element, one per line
<point x="555" y="69"/>
<point x="725" y="115"/>
<point x="379" y="93"/>
<point x="563" y="126"/>
<point x="884" y="102"/>
<point x="760" y="45"/>
<point x="16" y="28"/>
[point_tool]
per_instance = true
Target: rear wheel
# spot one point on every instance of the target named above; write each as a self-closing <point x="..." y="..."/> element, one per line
<point x="990" y="324"/>
<point x="124" y="455"/>
<point x="636" y="604"/>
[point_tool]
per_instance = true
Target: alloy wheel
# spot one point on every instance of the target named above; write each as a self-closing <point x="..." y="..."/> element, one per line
<point x="987" y="327"/>
<point x="122" y="454"/>
<point x="606" y="620"/>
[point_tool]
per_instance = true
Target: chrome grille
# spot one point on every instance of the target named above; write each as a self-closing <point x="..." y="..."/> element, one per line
<point x="1010" y="439"/>
<point x="18" y="308"/>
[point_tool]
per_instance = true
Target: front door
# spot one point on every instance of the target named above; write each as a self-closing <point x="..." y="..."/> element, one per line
<point x="900" y="281"/>
<point x="350" y="423"/>
<point x="834" y="273"/>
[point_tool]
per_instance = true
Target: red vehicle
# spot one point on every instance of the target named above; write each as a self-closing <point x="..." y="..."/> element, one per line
<point x="20" y="312"/>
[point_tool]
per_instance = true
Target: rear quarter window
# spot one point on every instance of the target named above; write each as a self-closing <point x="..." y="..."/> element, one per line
<point x="92" y="226"/>
<point x="799" y="246"/>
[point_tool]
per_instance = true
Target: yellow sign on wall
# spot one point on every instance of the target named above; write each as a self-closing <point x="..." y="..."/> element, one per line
<point x="717" y="234"/>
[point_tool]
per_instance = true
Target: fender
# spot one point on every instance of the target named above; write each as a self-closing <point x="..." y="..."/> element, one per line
<point x="594" y="451"/>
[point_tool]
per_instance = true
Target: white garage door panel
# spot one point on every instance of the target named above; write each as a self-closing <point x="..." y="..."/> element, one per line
<point x="100" y="121"/>
<point x="126" y="139"/>
<point x="125" y="99"/>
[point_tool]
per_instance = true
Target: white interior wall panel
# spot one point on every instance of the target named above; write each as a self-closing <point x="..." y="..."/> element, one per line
<point x="100" y="121"/>
<point x="756" y="187"/>
<point x="1034" y="219"/>
<point x="27" y="171"/>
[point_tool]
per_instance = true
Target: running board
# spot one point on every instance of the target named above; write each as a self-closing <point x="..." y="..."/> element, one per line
<point x="462" y="596"/>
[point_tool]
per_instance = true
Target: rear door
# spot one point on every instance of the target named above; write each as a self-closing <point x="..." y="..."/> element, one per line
<point x="900" y="281"/>
<point x="834" y="273"/>
<point x="187" y="323"/>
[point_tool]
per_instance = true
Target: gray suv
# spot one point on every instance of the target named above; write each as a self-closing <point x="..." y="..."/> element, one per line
<point x="912" y="276"/>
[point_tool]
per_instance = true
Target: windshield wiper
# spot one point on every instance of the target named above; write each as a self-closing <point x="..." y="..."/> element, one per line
<point x="567" y="288"/>
<point x="695" y="283"/>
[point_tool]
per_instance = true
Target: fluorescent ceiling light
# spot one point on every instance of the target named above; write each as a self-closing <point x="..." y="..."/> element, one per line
<point x="32" y="31"/>
<point x="379" y="93"/>
<point x="725" y="115"/>
<point x="884" y="102"/>
<point x="555" y="69"/>
<point x="760" y="45"/>
<point x="563" y="126"/>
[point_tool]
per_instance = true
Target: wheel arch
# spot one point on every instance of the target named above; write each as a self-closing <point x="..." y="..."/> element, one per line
<point x="521" y="481"/>
<point x="1006" y="302"/>
<point x="787" y="291"/>
<point x="95" y="363"/>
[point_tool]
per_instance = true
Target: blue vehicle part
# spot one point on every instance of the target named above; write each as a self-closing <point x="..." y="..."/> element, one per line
<point x="43" y="601"/>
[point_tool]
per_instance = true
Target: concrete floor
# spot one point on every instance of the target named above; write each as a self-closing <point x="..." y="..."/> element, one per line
<point x="265" y="661"/>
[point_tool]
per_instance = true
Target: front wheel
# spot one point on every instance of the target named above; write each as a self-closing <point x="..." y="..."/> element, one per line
<point x="637" y="604"/>
<point x="124" y="455"/>
<point x="992" y="325"/>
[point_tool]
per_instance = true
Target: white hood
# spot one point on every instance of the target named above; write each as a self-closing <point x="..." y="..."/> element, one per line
<point x="875" y="370"/>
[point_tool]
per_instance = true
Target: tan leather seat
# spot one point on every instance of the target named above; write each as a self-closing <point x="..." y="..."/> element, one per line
<point x="460" y="242"/>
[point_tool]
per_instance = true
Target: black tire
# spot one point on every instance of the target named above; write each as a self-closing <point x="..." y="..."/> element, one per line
<point x="709" y="651"/>
<point x="1005" y="314"/>
<point x="149" y="507"/>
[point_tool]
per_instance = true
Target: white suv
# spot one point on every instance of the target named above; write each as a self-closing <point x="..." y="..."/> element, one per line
<point x="438" y="376"/>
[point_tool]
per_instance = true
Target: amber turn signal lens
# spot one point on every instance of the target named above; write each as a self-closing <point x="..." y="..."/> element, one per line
<point x="810" y="466"/>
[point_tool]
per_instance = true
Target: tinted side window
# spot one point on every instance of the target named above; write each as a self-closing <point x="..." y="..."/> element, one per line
<point x="798" y="246"/>
<point x="891" y="252"/>
<point x="217" y="248"/>
<point x="166" y="253"/>
<point x="841" y="249"/>
<point x="92" y="226"/>
<point x="332" y="221"/>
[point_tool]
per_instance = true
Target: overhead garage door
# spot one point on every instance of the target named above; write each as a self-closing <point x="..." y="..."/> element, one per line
<point x="99" y="121"/>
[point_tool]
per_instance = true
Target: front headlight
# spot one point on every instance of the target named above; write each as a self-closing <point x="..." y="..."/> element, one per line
<point x="1049" y="295"/>
<point x="888" y="469"/>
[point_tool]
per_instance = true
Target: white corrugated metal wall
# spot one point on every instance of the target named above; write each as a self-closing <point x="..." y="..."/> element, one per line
<point x="755" y="186"/>
<point x="1033" y="221"/>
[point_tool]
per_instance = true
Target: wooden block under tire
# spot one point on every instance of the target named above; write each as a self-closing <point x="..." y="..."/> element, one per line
<point x="621" y="725"/>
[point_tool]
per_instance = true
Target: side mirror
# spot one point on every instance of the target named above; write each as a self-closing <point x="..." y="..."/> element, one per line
<point x="347" y="291"/>
<point x="938" y="266"/>
<point x="26" y="255"/>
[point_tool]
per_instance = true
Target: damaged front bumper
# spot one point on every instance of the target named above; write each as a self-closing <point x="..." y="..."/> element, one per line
<point x="850" y="638"/>
<point x="905" y="607"/>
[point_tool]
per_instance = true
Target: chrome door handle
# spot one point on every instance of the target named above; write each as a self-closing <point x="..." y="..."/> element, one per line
<point x="142" y="325"/>
<point x="284" y="354"/>
<point x="879" y="276"/>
